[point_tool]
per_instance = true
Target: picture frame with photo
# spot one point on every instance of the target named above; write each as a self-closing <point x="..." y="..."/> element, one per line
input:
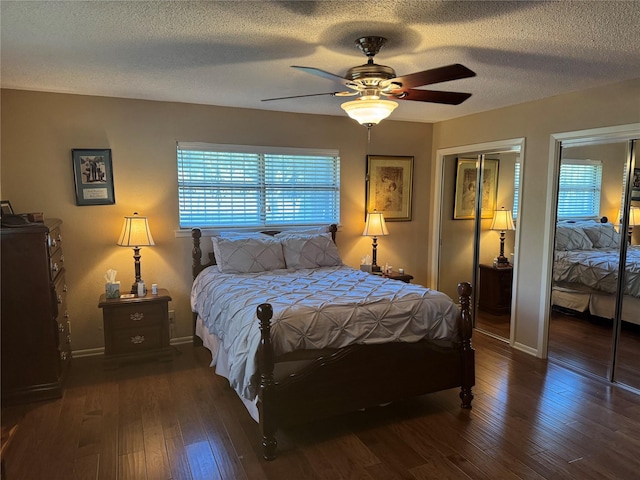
<point x="465" y="188"/>
<point x="93" y="176"/>
<point x="635" y="185"/>
<point x="389" y="186"/>
<point x="6" y="208"/>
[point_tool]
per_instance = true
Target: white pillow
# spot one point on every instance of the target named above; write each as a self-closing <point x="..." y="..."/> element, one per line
<point x="603" y="235"/>
<point x="248" y="255"/>
<point x="310" y="251"/>
<point x="572" y="238"/>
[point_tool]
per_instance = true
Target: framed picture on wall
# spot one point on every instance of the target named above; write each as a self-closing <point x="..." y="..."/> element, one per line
<point x="389" y="184"/>
<point x="93" y="175"/>
<point x="6" y="208"/>
<point x="635" y="185"/>
<point x="465" y="190"/>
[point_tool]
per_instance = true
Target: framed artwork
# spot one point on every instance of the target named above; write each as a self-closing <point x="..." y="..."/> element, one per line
<point x="93" y="175"/>
<point x="465" y="190"/>
<point x="6" y="208"/>
<point x="635" y="187"/>
<point x="389" y="184"/>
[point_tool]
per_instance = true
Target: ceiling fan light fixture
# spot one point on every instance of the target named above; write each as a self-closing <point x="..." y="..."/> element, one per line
<point x="369" y="110"/>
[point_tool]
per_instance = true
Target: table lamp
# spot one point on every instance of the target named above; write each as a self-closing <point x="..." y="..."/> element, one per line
<point x="375" y="227"/>
<point x="634" y="221"/>
<point x="503" y="221"/>
<point x="135" y="233"/>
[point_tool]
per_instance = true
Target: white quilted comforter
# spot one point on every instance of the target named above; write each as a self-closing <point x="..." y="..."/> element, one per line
<point x="598" y="269"/>
<point x="327" y="307"/>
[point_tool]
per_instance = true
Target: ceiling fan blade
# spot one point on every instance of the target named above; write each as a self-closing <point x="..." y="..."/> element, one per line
<point x="433" y="96"/>
<point x="322" y="73"/>
<point x="435" y="75"/>
<point x="333" y="94"/>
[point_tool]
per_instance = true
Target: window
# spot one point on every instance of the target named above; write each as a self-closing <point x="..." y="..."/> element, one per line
<point x="579" y="189"/>
<point x="232" y="185"/>
<point x="516" y="190"/>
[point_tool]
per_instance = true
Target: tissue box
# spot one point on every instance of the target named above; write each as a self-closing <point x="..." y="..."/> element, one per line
<point x="112" y="290"/>
<point x="366" y="268"/>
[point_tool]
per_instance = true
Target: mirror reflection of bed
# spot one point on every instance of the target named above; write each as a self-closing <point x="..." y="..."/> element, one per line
<point x="589" y="250"/>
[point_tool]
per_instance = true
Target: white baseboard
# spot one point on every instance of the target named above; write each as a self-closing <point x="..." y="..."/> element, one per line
<point x="93" y="352"/>
<point x="526" y="349"/>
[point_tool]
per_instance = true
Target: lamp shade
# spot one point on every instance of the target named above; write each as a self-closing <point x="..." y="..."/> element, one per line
<point x="375" y="226"/>
<point x="502" y="220"/>
<point x="369" y="110"/>
<point x="634" y="216"/>
<point x="135" y="232"/>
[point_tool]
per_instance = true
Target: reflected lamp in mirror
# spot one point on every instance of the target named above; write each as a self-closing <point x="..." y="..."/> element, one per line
<point x="375" y="227"/>
<point x="634" y="221"/>
<point x="136" y="233"/>
<point x="502" y="221"/>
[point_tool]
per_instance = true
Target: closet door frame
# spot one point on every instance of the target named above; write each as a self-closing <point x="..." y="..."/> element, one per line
<point x="619" y="133"/>
<point x="509" y="145"/>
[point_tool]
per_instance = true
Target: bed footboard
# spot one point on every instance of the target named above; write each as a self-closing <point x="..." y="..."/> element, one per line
<point x="361" y="376"/>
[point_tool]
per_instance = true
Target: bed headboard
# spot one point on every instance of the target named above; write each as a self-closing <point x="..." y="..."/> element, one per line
<point x="196" y="253"/>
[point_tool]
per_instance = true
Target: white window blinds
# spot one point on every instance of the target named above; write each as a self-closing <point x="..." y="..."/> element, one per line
<point x="579" y="189"/>
<point x="516" y="190"/>
<point x="229" y="185"/>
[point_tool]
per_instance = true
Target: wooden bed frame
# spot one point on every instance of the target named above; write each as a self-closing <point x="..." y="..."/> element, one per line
<point x="357" y="376"/>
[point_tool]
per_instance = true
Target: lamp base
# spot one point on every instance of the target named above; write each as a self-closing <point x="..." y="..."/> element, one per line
<point x="375" y="268"/>
<point x="502" y="262"/>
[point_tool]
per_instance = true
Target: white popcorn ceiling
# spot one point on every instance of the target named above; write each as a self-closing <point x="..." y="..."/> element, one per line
<point x="235" y="53"/>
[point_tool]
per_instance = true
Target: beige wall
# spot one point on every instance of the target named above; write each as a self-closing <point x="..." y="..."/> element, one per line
<point x="536" y="121"/>
<point x="40" y="129"/>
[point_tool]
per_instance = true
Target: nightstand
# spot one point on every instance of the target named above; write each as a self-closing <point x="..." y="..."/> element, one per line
<point x="403" y="277"/>
<point x="136" y="328"/>
<point x="494" y="294"/>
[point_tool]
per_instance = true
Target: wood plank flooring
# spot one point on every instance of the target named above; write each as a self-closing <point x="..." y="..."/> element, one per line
<point x="530" y="420"/>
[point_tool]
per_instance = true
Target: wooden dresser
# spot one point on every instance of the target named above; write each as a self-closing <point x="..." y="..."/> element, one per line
<point x="36" y="345"/>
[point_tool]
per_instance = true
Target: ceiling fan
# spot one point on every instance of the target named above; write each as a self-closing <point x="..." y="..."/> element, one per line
<point x="371" y="81"/>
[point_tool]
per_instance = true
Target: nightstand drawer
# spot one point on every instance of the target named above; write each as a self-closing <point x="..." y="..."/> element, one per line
<point x="132" y="340"/>
<point x="135" y="315"/>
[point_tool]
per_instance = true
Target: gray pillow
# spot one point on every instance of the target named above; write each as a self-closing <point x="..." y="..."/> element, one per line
<point x="603" y="235"/>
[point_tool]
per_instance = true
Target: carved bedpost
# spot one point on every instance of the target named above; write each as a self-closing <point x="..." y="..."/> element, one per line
<point x="196" y="255"/>
<point x="333" y="229"/>
<point x="465" y="327"/>
<point x="265" y="364"/>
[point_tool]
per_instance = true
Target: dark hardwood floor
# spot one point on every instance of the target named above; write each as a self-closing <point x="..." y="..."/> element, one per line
<point x="499" y="325"/>
<point x="530" y="419"/>
<point x="585" y="343"/>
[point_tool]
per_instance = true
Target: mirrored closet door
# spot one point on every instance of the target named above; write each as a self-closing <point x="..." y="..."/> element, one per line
<point x="594" y="324"/>
<point x="477" y="231"/>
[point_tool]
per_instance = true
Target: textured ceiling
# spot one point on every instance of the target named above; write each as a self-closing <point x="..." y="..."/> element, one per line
<point x="235" y="53"/>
